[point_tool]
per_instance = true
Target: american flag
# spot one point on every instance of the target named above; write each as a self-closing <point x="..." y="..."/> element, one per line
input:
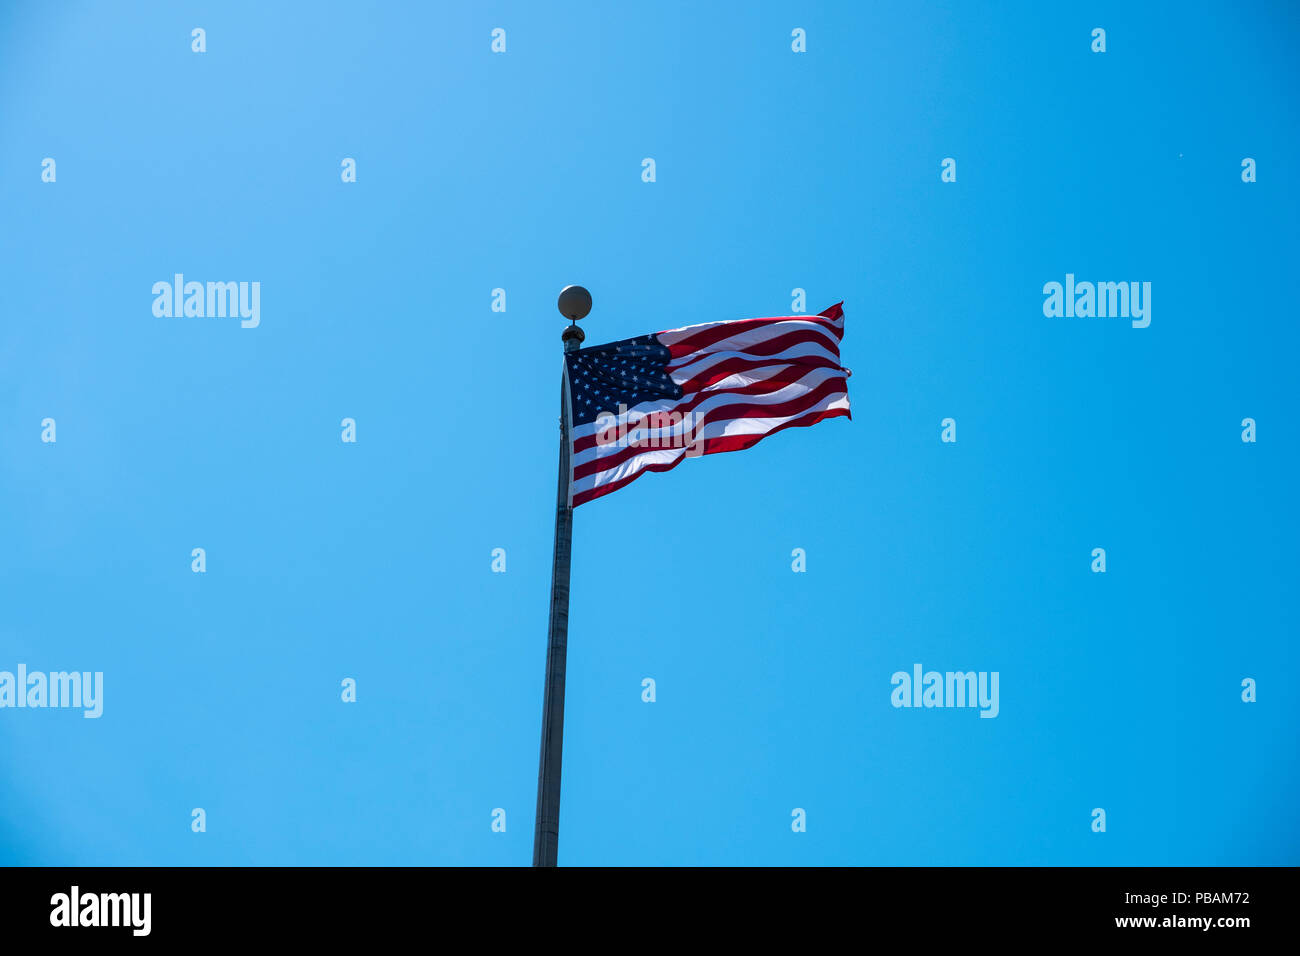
<point x="648" y="403"/>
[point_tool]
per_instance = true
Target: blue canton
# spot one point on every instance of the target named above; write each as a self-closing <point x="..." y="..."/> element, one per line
<point x="627" y="372"/>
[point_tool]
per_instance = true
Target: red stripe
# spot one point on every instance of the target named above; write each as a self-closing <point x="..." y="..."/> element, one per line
<point x="712" y="446"/>
<point x="729" y="366"/>
<point x="725" y="330"/>
<point x="788" y="375"/>
<point x="772" y="346"/>
<point x="721" y="412"/>
<point x="794" y="406"/>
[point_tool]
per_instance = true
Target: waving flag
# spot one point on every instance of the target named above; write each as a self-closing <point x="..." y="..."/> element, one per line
<point x="648" y="403"/>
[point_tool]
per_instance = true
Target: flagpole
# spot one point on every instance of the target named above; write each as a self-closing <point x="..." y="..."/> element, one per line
<point x="574" y="303"/>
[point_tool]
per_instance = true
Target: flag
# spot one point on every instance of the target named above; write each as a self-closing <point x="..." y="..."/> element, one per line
<point x="650" y="402"/>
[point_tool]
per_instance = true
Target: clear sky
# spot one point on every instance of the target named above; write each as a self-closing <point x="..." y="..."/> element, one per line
<point x="522" y="170"/>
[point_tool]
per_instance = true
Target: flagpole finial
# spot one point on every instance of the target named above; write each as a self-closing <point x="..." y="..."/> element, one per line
<point x="574" y="303"/>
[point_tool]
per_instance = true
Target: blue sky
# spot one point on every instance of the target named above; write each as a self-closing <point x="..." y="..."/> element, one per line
<point x="775" y="170"/>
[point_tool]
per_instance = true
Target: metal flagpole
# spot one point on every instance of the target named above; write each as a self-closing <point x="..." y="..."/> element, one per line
<point x="574" y="304"/>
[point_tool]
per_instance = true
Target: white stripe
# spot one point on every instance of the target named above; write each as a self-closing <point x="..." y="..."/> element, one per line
<point x="742" y="341"/>
<point x="631" y="466"/>
<point x="673" y="336"/>
<point x="681" y="374"/>
<point x="734" y="426"/>
<point x="814" y="378"/>
<point x="643" y="409"/>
